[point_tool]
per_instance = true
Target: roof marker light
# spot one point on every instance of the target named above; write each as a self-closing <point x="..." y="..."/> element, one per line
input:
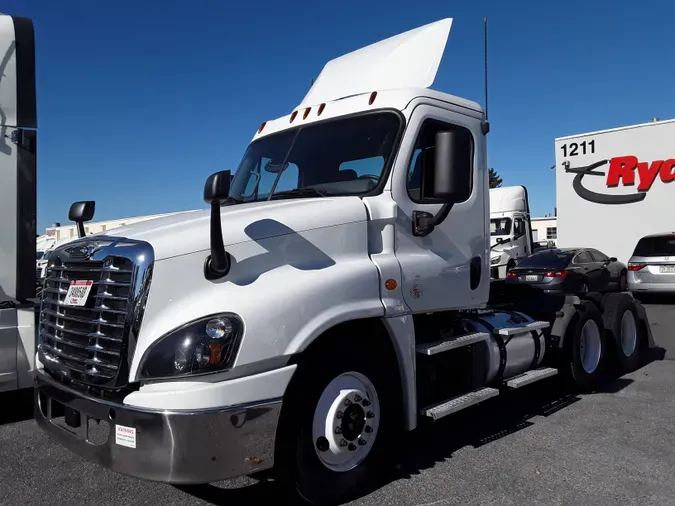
<point x="307" y="111"/>
<point x="373" y="95"/>
<point x="262" y="125"/>
<point x="321" y="108"/>
<point x="293" y="115"/>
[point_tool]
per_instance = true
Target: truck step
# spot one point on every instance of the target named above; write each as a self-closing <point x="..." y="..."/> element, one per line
<point x="520" y="329"/>
<point x="531" y="377"/>
<point x="452" y="343"/>
<point x="455" y="404"/>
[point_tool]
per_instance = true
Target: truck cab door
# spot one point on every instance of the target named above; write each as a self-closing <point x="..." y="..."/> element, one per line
<point x="448" y="268"/>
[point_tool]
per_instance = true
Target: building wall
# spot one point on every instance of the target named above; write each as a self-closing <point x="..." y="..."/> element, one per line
<point x="545" y="229"/>
<point x="70" y="231"/>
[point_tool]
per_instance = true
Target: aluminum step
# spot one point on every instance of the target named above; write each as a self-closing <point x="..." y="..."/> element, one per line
<point x="455" y="404"/>
<point x="531" y="377"/>
<point x="519" y="329"/>
<point x="452" y="343"/>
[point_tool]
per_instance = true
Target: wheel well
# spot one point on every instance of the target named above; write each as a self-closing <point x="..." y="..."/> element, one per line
<point x="367" y="335"/>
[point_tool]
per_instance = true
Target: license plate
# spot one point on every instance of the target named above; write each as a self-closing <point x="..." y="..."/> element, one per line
<point x="667" y="269"/>
<point x="531" y="277"/>
<point x="77" y="294"/>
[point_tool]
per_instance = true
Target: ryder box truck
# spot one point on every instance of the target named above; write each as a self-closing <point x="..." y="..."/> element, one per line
<point x="615" y="186"/>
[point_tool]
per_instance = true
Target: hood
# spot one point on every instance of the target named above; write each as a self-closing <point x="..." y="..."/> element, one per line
<point x="188" y="232"/>
<point x="501" y="247"/>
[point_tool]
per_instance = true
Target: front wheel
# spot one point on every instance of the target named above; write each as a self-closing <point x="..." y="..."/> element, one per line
<point x="337" y="428"/>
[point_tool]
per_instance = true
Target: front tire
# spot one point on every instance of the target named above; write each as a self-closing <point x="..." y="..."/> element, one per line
<point x="337" y="428"/>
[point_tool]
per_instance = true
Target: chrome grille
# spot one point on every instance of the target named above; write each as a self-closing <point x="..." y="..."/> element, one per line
<point x="91" y="344"/>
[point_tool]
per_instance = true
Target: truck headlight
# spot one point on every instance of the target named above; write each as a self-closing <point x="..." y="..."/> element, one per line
<point x="495" y="260"/>
<point x="203" y="346"/>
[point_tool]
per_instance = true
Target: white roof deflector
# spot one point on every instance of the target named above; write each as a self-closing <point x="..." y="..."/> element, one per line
<point x="407" y="60"/>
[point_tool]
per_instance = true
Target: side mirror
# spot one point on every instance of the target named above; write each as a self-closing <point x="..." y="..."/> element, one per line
<point x="217" y="187"/>
<point x="451" y="178"/>
<point x="452" y="164"/>
<point x="81" y="212"/>
<point x="613" y="259"/>
<point x="216" y="190"/>
<point x="499" y="240"/>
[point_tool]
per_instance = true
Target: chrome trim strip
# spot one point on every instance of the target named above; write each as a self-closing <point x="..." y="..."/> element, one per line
<point x="103" y="250"/>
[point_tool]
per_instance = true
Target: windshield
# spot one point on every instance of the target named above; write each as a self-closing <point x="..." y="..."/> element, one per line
<point x="655" y="246"/>
<point x="500" y="226"/>
<point x="550" y="259"/>
<point x="38" y="255"/>
<point x="345" y="156"/>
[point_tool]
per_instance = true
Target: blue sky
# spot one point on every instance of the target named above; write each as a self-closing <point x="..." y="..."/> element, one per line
<point x="139" y="102"/>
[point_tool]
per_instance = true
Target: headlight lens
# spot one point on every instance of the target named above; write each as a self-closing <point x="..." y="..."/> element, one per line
<point x="495" y="260"/>
<point x="203" y="346"/>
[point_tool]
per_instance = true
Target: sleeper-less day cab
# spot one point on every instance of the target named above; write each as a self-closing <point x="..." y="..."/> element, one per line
<point x="336" y="291"/>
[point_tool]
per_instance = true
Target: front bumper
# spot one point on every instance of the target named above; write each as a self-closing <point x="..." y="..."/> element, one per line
<point x="181" y="447"/>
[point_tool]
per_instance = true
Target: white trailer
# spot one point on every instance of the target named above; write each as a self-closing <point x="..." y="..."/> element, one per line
<point x="304" y="322"/>
<point x="615" y="186"/>
<point x="510" y="229"/>
<point x="18" y="145"/>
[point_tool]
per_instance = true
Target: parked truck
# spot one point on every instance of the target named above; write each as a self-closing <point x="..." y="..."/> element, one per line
<point x="336" y="292"/>
<point x="614" y="187"/>
<point x="510" y="229"/>
<point x="18" y="145"/>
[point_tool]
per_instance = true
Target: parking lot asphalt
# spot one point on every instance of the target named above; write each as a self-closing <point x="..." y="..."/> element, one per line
<point x="541" y="445"/>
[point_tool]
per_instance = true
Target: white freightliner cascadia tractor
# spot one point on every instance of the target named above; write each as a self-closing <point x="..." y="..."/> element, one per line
<point x="337" y="291"/>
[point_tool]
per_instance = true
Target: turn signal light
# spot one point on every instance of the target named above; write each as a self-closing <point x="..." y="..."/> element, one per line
<point x="636" y="267"/>
<point x="556" y="274"/>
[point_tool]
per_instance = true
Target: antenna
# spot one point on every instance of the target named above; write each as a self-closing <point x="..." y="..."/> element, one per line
<point x="485" y="50"/>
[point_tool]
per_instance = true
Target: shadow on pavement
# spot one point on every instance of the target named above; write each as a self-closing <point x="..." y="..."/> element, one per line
<point x="437" y="441"/>
<point x="17" y="406"/>
<point x="659" y="299"/>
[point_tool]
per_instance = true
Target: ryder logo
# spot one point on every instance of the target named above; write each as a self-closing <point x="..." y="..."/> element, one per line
<point x="625" y="171"/>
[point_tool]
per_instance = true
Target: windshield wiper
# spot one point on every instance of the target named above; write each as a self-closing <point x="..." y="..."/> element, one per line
<point x="299" y="192"/>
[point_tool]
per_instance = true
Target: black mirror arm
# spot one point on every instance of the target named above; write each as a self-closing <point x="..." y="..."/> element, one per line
<point x="424" y="223"/>
<point x="218" y="262"/>
<point x="80" y="229"/>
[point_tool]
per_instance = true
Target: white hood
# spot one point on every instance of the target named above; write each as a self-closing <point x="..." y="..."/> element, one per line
<point x="188" y="232"/>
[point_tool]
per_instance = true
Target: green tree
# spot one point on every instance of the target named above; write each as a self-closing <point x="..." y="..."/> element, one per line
<point x="495" y="180"/>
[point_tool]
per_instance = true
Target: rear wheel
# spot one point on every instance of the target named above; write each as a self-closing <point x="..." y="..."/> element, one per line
<point x="622" y="325"/>
<point x="337" y="427"/>
<point x="623" y="282"/>
<point x="588" y="347"/>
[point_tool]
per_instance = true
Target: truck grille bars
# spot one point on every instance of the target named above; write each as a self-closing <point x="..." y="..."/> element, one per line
<point x="92" y="344"/>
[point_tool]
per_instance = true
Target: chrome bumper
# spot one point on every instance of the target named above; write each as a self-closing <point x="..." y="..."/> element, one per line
<point x="178" y="447"/>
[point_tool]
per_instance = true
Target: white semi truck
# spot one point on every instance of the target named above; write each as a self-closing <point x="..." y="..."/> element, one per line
<point x="510" y="229"/>
<point x="18" y="147"/>
<point x="336" y="292"/>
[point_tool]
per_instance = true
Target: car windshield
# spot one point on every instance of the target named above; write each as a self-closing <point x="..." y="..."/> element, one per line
<point x="549" y="259"/>
<point x="655" y="246"/>
<point x="500" y="226"/>
<point x="345" y="156"/>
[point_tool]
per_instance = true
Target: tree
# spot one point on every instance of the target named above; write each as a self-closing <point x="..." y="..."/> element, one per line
<point x="495" y="180"/>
